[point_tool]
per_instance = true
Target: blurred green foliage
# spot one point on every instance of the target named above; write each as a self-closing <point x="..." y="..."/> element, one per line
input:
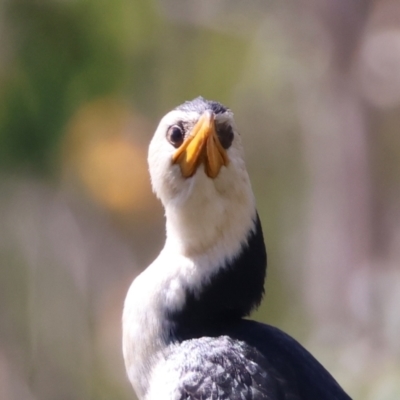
<point x="66" y="53"/>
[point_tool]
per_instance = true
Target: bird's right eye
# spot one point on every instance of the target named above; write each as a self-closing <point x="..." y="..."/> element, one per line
<point x="175" y="135"/>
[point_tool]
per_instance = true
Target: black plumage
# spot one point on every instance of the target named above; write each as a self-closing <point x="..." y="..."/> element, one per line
<point x="225" y="368"/>
<point x="221" y="355"/>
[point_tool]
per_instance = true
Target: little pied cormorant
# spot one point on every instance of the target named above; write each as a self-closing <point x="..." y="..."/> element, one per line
<point x="184" y="332"/>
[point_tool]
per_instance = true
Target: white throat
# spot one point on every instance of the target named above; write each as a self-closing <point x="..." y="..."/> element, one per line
<point x="218" y="214"/>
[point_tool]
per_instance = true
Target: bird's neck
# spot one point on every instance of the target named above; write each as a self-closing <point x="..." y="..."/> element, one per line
<point x="211" y="272"/>
<point x="230" y="292"/>
<point x="214" y="258"/>
<point x="211" y="221"/>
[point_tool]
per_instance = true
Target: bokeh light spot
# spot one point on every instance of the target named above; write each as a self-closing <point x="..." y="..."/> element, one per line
<point x="103" y="150"/>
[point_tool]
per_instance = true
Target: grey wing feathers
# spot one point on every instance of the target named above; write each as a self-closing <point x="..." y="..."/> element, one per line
<point x="223" y="368"/>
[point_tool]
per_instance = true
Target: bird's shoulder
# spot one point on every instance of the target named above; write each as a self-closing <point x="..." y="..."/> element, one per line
<point x="291" y="359"/>
<point x="220" y="368"/>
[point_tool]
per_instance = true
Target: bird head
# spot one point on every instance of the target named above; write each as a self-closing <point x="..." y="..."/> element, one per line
<point x="197" y="141"/>
<point x="197" y="170"/>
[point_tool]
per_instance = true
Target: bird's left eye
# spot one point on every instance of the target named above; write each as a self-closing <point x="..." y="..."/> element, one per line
<point x="175" y="135"/>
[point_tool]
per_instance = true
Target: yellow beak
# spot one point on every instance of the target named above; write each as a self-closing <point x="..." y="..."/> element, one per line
<point x="201" y="146"/>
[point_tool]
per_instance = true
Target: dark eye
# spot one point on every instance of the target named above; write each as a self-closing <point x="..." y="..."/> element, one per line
<point x="175" y="135"/>
<point x="225" y="135"/>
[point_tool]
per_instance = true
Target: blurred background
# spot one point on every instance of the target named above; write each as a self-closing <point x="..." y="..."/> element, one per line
<point x="315" y="88"/>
